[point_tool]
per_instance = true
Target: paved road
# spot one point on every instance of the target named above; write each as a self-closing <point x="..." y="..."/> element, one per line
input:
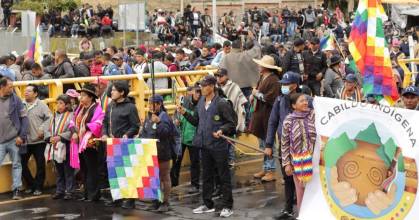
<point x="252" y="200"/>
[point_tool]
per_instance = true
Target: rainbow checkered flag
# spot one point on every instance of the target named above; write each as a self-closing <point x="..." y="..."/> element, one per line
<point x="369" y="49"/>
<point x="133" y="169"/>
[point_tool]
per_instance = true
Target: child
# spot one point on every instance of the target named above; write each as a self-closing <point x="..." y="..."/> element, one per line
<point x="59" y="146"/>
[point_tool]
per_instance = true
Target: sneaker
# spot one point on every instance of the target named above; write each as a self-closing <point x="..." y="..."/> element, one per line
<point x="284" y="214"/>
<point x="37" y="193"/>
<point x="269" y="177"/>
<point x="29" y="191"/>
<point x="57" y="196"/>
<point x="225" y="213"/>
<point x="163" y="208"/>
<point x="259" y="174"/>
<point x="16" y="195"/>
<point x="203" y="209"/>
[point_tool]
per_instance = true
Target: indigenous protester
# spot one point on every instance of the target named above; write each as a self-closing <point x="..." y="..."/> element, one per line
<point x="58" y="148"/>
<point x="39" y="117"/>
<point x="333" y="79"/>
<point x="189" y="103"/>
<point x="235" y="95"/>
<point x="158" y="125"/>
<point x="262" y="99"/>
<point x="74" y="98"/>
<point x="297" y="144"/>
<point x="13" y="132"/>
<point x="213" y="120"/>
<point x="315" y="65"/>
<point x="85" y="127"/>
<point x="410" y="98"/>
<point x="350" y="90"/>
<point x="121" y="121"/>
<point x="280" y="110"/>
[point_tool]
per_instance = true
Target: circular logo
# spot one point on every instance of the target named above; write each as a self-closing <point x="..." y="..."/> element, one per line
<point x="364" y="174"/>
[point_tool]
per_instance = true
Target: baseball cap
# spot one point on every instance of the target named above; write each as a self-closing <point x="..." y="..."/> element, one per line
<point x="411" y="90"/>
<point x="351" y="78"/>
<point x="208" y="80"/>
<point x="290" y="78"/>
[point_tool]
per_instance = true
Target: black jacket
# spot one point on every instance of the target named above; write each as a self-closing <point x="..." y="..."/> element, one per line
<point x="314" y="63"/>
<point x="290" y="62"/>
<point x="121" y="119"/>
<point x="64" y="70"/>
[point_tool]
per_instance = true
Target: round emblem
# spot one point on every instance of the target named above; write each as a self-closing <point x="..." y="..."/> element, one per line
<point x="217" y="118"/>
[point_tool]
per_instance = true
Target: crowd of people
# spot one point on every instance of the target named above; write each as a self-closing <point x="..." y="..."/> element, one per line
<point x="254" y="79"/>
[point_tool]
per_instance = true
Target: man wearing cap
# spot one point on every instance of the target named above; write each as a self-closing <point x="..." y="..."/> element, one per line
<point x="109" y="67"/>
<point x="123" y="67"/>
<point x="410" y="98"/>
<point x="293" y="59"/>
<point x="281" y="108"/>
<point x="350" y="90"/>
<point x="262" y="99"/>
<point x="226" y="50"/>
<point x="333" y="78"/>
<point x="315" y="65"/>
<point x="235" y="95"/>
<point x="213" y="120"/>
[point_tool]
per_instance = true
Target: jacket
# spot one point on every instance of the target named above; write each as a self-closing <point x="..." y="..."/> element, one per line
<point x="187" y="129"/>
<point x="63" y="70"/>
<point x="111" y="69"/>
<point x="20" y="121"/>
<point x="39" y="117"/>
<point x="314" y="63"/>
<point x="292" y="63"/>
<point x="216" y="117"/>
<point x="162" y="133"/>
<point x="333" y="82"/>
<point x="121" y="119"/>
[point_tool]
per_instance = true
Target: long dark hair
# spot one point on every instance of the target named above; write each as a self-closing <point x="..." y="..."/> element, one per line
<point x="294" y="97"/>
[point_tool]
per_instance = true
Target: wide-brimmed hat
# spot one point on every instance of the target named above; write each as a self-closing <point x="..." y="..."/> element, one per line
<point x="89" y="88"/>
<point x="267" y="62"/>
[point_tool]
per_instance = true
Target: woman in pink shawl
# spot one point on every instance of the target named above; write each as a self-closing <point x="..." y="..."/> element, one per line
<point x="86" y="126"/>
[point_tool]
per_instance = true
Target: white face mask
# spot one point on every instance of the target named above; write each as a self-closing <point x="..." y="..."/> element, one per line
<point x="285" y="90"/>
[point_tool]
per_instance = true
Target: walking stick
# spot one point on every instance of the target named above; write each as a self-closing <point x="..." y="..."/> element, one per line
<point x="245" y="145"/>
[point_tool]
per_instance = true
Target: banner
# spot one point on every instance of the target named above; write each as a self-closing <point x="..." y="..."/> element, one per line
<point x="365" y="162"/>
<point x="133" y="169"/>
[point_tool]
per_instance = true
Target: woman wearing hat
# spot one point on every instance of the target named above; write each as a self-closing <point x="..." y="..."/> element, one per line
<point x="86" y="126"/>
<point x="333" y="79"/>
<point x="263" y="98"/>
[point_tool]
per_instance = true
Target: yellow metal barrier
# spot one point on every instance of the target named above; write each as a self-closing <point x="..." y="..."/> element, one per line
<point x="138" y="87"/>
<point x="409" y="77"/>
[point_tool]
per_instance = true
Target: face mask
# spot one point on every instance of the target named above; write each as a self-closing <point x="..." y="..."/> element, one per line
<point x="285" y="90"/>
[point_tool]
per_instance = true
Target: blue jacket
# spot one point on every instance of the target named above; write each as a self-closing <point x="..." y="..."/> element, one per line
<point x="216" y="117"/>
<point x="280" y="110"/>
<point x="21" y="123"/>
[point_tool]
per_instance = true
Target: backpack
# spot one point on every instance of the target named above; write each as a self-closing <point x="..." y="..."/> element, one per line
<point x="230" y="109"/>
<point x="80" y="70"/>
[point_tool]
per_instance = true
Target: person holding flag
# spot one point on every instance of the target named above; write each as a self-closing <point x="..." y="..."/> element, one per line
<point x="121" y="121"/>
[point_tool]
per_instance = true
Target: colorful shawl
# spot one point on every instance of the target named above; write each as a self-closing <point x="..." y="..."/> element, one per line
<point x="93" y="129"/>
<point x="57" y="151"/>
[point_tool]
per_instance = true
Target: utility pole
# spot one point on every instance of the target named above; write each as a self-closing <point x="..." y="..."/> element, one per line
<point x="214" y="18"/>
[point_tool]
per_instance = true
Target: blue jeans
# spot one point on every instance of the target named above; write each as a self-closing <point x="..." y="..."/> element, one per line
<point x="11" y="148"/>
<point x="268" y="163"/>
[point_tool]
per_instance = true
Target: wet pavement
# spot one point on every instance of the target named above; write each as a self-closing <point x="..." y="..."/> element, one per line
<point x="252" y="200"/>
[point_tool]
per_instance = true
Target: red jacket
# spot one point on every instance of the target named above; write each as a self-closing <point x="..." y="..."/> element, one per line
<point x="106" y="21"/>
<point x="96" y="69"/>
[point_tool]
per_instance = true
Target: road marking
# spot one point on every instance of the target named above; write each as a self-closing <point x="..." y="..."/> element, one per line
<point x="25" y="199"/>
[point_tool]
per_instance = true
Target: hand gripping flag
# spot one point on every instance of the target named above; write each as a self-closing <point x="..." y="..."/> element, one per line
<point x="133" y="169"/>
<point x="369" y="49"/>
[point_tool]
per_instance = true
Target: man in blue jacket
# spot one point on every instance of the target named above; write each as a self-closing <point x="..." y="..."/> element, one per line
<point x="280" y="110"/>
<point x="13" y="131"/>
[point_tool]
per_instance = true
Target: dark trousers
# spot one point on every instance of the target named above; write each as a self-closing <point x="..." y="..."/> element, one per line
<point x="89" y="168"/>
<point x="289" y="188"/>
<point x="102" y="167"/>
<point x="6" y="17"/>
<point x="247" y="91"/>
<point x="195" y="166"/>
<point x="315" y="86"/>
<point x="37" y="150"/>
<point x="65" y="175"/>
<point x="216" y="161"/>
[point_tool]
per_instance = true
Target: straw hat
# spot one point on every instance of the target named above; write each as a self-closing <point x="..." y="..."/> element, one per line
<point x="267" y="62"/>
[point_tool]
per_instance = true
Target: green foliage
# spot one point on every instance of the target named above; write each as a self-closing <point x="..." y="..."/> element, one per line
<point x="41" y="6"/>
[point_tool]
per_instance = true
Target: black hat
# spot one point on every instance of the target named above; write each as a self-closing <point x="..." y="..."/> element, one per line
<point x="298" y="42"/>
<point x="89" y="88"/>
<point x="208" y="80"/>
<point x="335" y="59"/>
<point x="221" y="72"/>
